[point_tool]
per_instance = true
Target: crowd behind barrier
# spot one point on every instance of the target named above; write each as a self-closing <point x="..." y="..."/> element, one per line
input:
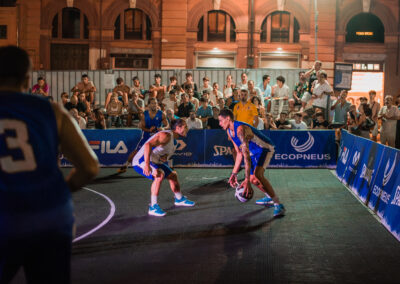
<point x="372" y="172"/>
<point x="211" y="148"/>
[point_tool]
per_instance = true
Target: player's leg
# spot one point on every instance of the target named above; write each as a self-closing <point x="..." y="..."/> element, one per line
<point x="10" y="262"/>
<point x="154" y="208"/>
<point x="172" y="178"/>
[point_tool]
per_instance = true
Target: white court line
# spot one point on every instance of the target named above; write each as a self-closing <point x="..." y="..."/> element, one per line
<point x="110" y="215"/>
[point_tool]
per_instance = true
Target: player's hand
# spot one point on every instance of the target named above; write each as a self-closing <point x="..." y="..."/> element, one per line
<point x="248" y="190"/>
<point x="147" y="170"/>
<point x="153" y="129"/>
<point x="233" y="181"/>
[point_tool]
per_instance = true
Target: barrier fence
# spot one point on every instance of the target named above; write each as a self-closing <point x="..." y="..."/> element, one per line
<point x="372" y="172"/>
<point x="211" y="148"/>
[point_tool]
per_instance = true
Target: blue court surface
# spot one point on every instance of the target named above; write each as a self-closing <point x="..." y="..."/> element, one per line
<point x="327" y="236"/>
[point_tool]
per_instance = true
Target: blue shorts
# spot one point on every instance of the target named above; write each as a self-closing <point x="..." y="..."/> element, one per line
<point x="164" y="167"/>
<point x="261" y="159"/>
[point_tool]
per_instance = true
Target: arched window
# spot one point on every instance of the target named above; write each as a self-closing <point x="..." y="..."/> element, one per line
<point x="133" y="24"/>
<point x="365" y="27"/>
<point x="278" y="27"/>
<point x="70" y="23"/>
<point x="219" y="26"/>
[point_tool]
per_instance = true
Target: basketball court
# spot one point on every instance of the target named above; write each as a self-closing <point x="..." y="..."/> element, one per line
<point x="327" y="236"/>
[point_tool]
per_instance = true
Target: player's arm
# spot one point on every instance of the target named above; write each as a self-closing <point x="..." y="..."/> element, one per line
<point x="238" y="161"/>
<point x="161" y="138"/>
<point x="76" y="149"/>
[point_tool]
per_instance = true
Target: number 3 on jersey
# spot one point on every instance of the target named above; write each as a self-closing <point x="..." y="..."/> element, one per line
<point x="20" y="141"/>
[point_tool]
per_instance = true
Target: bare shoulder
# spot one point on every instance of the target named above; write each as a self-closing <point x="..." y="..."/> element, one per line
<point x="164" y="137"/>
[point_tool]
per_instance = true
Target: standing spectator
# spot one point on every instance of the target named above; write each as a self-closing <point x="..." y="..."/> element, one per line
<point x="99" y="120"/>
<point x="79" y="119"/>
<point x="341" y="107"/>
<point x="215" y="94"/>
<point x="297" y="122"/>
<point x="189" y="83"/>
<point x="244" y="110"/>
<point x="321" y="92"/>
<point x="282" y="122"/>
<point x="86" y="87"/>
<point x="243" y="82"/>
<point x="204" y="112"/>
<point x="36" y="212"/>
<point x="320" y="121"/>
<point x="228" y="87"/>
<point x="300" y="93"/>
<point x="137" y="88"/>
<point x="312" y="74"/>
<point x="352" y="119"/>
<point x="41" y="88"/>
<point x="365" y="123"/>
<point x="213" y="122"/>
<point x="158" y="89"/>
<point x="375" y="107"/>
<point x="193" y="122"/>
<point x="185" y="107"/>
<point x="135" y="108"/>
<point x="171" y="102"/>
<point x="206" y="85"/>
<point x="388" y="114"/>
<point x="265" y="89"/>
<point x="280" y="90"/>
<point x="363" y="101"/>
<point x="397" y="142"/>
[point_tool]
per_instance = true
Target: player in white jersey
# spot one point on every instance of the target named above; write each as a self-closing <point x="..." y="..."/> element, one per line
<point x="152" y="162"/>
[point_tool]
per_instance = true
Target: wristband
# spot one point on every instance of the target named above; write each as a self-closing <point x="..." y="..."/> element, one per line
<point x="234" y="174"/>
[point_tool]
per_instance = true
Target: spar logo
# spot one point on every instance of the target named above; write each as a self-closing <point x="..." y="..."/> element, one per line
<point x="388" y="172"/>
<point x="344" y="155"/>
<point x="304" y="147"/>
<point x="106" y="147"/>
<point x="356" y="158"/>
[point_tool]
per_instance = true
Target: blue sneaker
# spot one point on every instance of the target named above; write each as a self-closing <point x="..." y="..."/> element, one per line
<point x="183" y="202"/>
<point x="279" y="210"/>
<point x="156" y="210"/>
<point x="266" y="201"/>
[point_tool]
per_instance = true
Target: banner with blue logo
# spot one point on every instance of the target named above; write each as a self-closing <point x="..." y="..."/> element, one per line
<point x="113" y="146"/>
<point x="190" y="149"/>
<point x="303" y="149"/>
<point x="385" y="180"/>
<point x="372" y="171"/>
<point x="346" y="151"/>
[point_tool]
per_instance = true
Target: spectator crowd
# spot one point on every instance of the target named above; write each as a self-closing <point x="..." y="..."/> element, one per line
<point x="310" y="104"/>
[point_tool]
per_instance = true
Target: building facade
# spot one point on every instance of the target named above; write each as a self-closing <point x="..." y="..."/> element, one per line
<point x="181" y="34"/>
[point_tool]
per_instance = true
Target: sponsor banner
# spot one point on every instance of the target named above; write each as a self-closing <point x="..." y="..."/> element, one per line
<point x="218" y="149"/>
<point x="346" y="151"/>
<point x="190" y="149"/>
<point x="113" y="146"/>
<point x="391" y="215"/>
<point x="303" y="149"/>
<point x="382" y="187"/>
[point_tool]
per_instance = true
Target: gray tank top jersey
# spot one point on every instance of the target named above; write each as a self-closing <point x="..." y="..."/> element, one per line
<point x="160" y="151"/>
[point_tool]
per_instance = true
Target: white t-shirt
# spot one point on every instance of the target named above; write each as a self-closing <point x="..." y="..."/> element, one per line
<point x="389" y="125"/>
<point x="257" y="92"/>
<point x="282" y="92"/>
<point x="213" y="97"/>
<point x="169" y="104"/>
<point x="301" y="125"/>
<point x="260" y="125"/>
<point x="202" y="88"/>
<point x="242" y="86"/>
<point x="196" y="124"/>
<point x="318" y="90"/>
<point x="82" y="123"/>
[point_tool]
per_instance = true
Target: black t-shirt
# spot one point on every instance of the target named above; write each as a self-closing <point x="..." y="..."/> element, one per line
<point x="184" y="111"/>
<point x="213" y="123"/>
<point x="313" y="77"/>
<point x="278" y="123"/>
<point x="316" y="123"/>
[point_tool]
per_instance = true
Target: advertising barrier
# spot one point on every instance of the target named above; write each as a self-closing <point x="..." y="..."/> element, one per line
<point x="372" y="172"/>
<point x="211" y="148"/>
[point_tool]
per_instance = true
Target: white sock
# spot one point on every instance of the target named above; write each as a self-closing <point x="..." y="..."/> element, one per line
<point x="153" y="200"/>
<point x="266" y="194"/>
<point x="178" y="195"/>
<point x="275" y="199"/>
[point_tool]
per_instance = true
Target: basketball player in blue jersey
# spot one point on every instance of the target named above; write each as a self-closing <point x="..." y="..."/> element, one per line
<point x="36" y="219"/>
<point x="151" y="161"/>
<point x="151" y="121"/>
<point x="257" y="150"/>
